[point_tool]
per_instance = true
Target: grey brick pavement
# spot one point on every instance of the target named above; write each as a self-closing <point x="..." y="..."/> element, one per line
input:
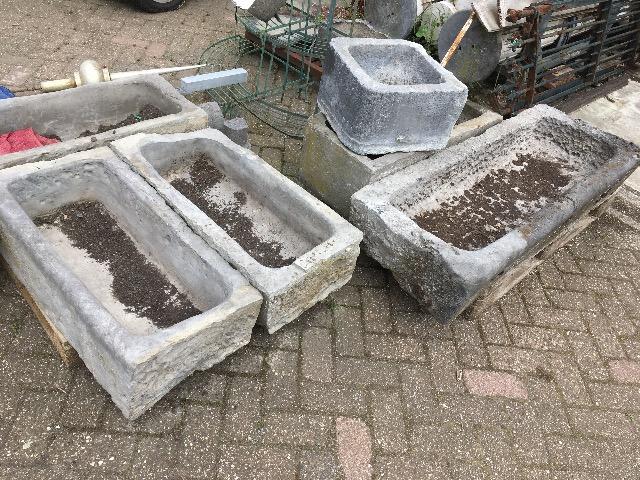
<point x="546" y="385"/>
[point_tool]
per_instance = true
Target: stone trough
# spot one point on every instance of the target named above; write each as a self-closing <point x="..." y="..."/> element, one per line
<point x="469" y="222"/>
<point x="76" y="116"/>
<point x="334" y="173"/>
<point x="382" y="96"/>
<point x="142" y="299"/>
<point x="290" y="246"/>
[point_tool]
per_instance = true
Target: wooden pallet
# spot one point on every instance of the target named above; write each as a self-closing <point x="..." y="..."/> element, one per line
<point x="67" y="353"/>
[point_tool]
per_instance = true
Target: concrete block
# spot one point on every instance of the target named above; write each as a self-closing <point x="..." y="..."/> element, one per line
<point x="289" y="245"/>
<point x="83" y="288"/>
<point x="383" y="96"/>
<point x="450" y="225"/>
<point x="69" y="114"/>
<point x="394" y="18"/>
<point x="215" y="115"/>
<point x="205" y="81"/>
<point x="333" y="173"/>
<point x="237" y="130"/>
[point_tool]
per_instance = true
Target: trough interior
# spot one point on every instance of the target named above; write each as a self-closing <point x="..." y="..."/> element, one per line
<point x="395" y="64"/>
<point x="119" y="247"/>
<point x="268" y="223"/>
<point x="70" y="114"/>
<point x="488" y="193"/>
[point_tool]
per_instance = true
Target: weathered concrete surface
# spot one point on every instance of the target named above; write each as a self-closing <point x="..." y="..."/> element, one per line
<point x="334" y="173"/>
<point x="323" y="246"/>
<point x="394" y="18"/>
<point x="237" y="130"/>
<point x="136" y="369"/>
<point x="383" y="96"/>
<point x="617" y="113"/>
<point x="446" y="278"/>
<point x="69" y="113"/>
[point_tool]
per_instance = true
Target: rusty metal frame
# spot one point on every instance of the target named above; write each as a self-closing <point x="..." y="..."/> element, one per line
<point x="593" y="40"/>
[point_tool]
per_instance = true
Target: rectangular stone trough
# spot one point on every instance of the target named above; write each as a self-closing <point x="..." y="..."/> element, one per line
<point x="142" y="299"/>
<point x="491" y="208"/>
<point x="334" y="173"/>
<point x="382" y="96"/>
<point x="290" y="246"/>
<point x="75" y="116"/>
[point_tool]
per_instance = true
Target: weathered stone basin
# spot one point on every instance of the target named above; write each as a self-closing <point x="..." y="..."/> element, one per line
<point x="451" y="225"/>
<point x="289" y="245"/>
<point x="142" y="299"/>
<point x="382" y="96"/>
<point x="73" y="116"/>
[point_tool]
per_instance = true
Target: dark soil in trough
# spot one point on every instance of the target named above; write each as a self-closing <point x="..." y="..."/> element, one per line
<point x="147" y="112"/>
<point x="137" y="283"/>
<point x="204" y="175"/>
<point x="488" y="210"/>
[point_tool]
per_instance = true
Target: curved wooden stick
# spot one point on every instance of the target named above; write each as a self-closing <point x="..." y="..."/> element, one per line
<point x="458" y="39"/>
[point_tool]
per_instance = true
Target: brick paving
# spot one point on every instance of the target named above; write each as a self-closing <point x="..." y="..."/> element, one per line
<point x="545" y="385"/>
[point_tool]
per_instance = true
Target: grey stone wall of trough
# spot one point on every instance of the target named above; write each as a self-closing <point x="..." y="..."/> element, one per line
<point x="136" y="370"/>
<point x="288" y="290"/>
<point x="383" y="96"/>
<point x="69" y="113"/>
<point x="334" y="173"/>
<point x="447" y="279"/>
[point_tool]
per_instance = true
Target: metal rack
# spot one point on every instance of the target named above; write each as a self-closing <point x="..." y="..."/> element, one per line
<point x="284" y="60"/>
<point x="592" y="41"/>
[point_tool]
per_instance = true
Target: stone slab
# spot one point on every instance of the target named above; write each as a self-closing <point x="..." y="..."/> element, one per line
<point x="69" y="113"/>
<point x="446" y="278"/>
<point x="333" y="173"/>
<point x="382" y="96"/>
<point x="137" y="369"/>
<point x="323" y="245"/>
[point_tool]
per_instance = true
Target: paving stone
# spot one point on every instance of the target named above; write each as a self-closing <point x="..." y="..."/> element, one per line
<point x="353" y="440"/>
<point x="85" y="402"/>
<point x="332" y="398"/>
<point x="316" y="355"/>
<point x="538" y="338"/>
<point x="349" y="338"/>
<point x="92" y="450"/>
<point x="616" y="397"/>
<point x="553" y="318"/>
<point x="601" y="423"/>
<point x="238" y="462"/>
<point x="203" y="387"/>
<point x="444" y="366"/>
<point x="405" y="467"/>
<point x="318" y="466"/>
<point x="388" y="423"/>
<point x="376" y="313"/>
<point x="493" y="327"/>
<point x="365" y="372"/>
<point x="281" y="383"/>
<point x="587" y="356"/>
<point x="299" y="429"/>
<point x="394" y="348"/>
<point x="492" y="384"/>
<point x="156" y="458"/>
<point x="625" y="371"/>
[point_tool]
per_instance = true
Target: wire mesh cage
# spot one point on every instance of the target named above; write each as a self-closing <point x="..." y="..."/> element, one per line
<point x="283" y="57"/>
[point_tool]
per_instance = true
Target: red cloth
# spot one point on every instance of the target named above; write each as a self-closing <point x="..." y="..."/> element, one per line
<point x="23" y="140"/>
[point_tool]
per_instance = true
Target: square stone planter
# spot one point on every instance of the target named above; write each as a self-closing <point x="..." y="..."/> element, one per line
<point x="382" y="96"/>
<point x="334" y="173"/>
<point x="294" y="249"/>
<point x="138" y="335"/>
<point x="491" y="207"/>
<point x="71" y="114"/>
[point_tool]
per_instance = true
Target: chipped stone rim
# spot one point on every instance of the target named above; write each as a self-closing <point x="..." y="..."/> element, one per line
<point x="273" y="282"/>
<point x="189" y="116"/>
<point x="476" y="266"/>
<point x="131" y="350"/>
<point x="342" y="46"/>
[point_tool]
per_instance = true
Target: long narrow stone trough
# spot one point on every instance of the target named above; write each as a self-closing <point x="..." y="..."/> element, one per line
<point x="290" y="246"/>
<point x="92" y="115"/>
<point x="142" y="299"/>
<point x="490" y="208"/>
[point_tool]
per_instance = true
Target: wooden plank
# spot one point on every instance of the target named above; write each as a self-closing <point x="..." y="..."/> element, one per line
<point x="63" y="347"/>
